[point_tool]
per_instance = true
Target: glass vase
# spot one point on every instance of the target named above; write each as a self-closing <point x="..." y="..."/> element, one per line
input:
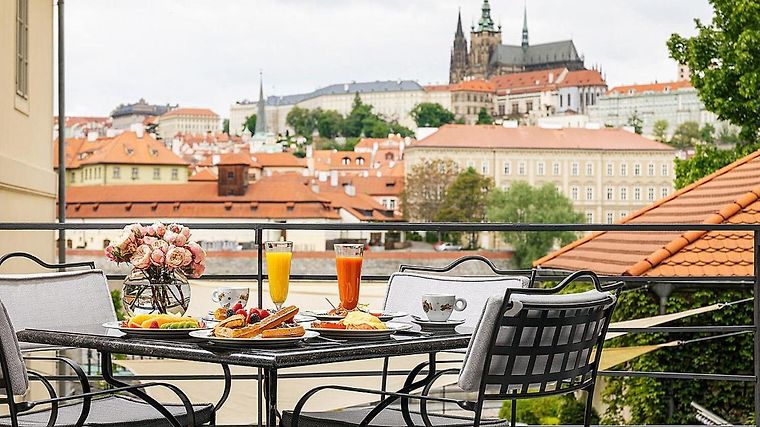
<point x="161" y="292"/>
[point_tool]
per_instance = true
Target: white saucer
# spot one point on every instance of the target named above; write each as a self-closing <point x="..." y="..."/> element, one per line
<point x="431" y="324"/>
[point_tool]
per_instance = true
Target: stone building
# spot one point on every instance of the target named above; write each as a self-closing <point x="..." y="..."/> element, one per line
<point x="126" y="115"/>
<point x="487" y="56"/>
<point x="187" y="120"/>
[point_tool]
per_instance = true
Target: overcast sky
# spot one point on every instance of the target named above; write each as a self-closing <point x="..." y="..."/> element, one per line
<point x="208" y="53"/>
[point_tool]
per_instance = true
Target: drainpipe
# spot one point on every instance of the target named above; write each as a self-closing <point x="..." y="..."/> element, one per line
<point x="61" y="141"/>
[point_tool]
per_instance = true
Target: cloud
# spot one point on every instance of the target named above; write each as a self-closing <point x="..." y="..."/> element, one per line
<point x="209" y="53"/>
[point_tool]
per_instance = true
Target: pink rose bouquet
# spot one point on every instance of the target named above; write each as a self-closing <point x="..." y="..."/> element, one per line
<point x="158" y="249"/>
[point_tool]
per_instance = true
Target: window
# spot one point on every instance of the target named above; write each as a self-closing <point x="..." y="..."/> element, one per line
<point x="484" y="167"/>
<point x="609" y="169"/>
<point x="156" y="173"/>
<point x="650" y="169"/>
<point x="589" y="217"/>
<point x="555" y="168"/>
<point x="116" y="172"/>
<point x="135" y="173"/>
<point x="610" y="193"/>
<point x="360" y="161"/>
<point x="610" y="217"/>
<point x="392" y="204"/>
<point x="22" y="48"/>
<point x="589" y="169"/>
<point x="637" y="169"/>
<point x="230" y="175"/>
<point x="574" y="193"/>
<point x="589" y="193"/>
<point x="73" y="177"/>
<point x="664" y="171"/>
<point x="515" y="107"/>
<point x="623" y="193"/>
<point x="540" y="168"/>
<point x="560" y="101"/>
<point x="650" y="194"/>
<point x="521" y="168"/>
<point x="507" y="168"/>
<point x="623" y="214"/>
<point x="345" y="161"/>
<point x="637" y="193"/>
<point x="568" y="99"/>
<point x="623" y="169"/>
<point x="664" y="192"/>
<point x="175" y="174"/>
<point x="574" y="169"/>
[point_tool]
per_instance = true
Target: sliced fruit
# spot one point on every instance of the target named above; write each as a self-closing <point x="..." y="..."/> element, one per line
<point x="237" y="307"/>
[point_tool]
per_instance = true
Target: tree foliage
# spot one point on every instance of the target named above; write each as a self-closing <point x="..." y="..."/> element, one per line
<point x="302" y="121"/>
<point x="635" y="122"/>
<point x="707" y="133"/>
<point x="725" y="64"/>
<point x="328" y="122"/>
<point x="686" y="135"/>
<point x="706" y="160"/>
<point x="484" y="118"/>
<point x="541" y="205"/>
<point x="226" y="126"/>
<point x="425" y="188"/>
<point x="429" y="114"/>
<point x="660" y="131"/>
<point x="466" y="200"/>
<point x="250" y="123"/>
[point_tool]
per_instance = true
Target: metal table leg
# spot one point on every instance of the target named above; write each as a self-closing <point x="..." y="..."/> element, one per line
<point x="270" y="377"/>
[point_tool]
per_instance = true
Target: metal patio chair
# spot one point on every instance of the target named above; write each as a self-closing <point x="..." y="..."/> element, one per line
<point x="528" y="343"/>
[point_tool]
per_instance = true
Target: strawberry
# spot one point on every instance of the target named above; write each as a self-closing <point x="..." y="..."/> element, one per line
<point x="241" y="312"/>
<point x="237" y="306"/>
<point x="154" y="325"/>
<point x="263" y="313"/>
<point x="256" y="311"/>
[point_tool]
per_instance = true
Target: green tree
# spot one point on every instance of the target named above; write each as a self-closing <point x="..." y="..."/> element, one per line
<point x="725" y="64"/>
<point x="706" y="160"/>
<point x="484" y="118"/>
<point x="361" y="116"/>
<point x="226" y="125"/>
<point x="707" y="133"/>
<point x="686" y="135"/>
<point x="660" y="131"/>
<point x="302" y="121"/>
<point x="525" y="204"/>
<point x="635" y="122"/>
<point x="250" y="123"/>
<point x="726" y="135"/>
<point x="425" y="188"/>
<point x="466" y="201"/>
<point x="328" y="122"/>
<point x="429" y="114"/>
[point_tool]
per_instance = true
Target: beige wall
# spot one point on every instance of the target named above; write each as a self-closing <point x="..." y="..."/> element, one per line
<point x="170" y="126"/>
<point x="104" y="175"/>
<point x="27" y="179"/>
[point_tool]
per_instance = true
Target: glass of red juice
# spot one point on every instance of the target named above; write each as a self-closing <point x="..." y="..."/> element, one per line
<point x="348" y="262"/>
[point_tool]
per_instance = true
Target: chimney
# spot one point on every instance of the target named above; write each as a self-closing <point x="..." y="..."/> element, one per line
<point x="309" y="151"/>
<point x="551" y="78"/>
<point x="333" y="178"/>
<point x="138" y="129"/>
<point x="350" y="190"/>
<point x="322" y="176"/>
<point x="510" y="124"/>
<point x="314" y="186"/>
<point x="92" y="135"/>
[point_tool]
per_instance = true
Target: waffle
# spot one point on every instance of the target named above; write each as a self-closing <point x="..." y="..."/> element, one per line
<point x="235" y="327"/>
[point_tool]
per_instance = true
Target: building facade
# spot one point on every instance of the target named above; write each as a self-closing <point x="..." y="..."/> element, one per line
<point x="188" y="120"/>
<point x="126" y="115"/>
<point x="486" y="56"/>
<point x="674" y="102"/>
<point x="607" y="173"/>
<point x="27" y="179"/>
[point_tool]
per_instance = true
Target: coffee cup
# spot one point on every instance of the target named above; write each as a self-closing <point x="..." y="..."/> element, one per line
<point x="438" y="307"/>
<point x="227" y="297"/>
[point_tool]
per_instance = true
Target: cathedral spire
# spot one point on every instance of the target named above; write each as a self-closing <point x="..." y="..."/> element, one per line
<point x="485" y="23"/>
<point x="261" y="116"/>
<point x="525" y="27"/>
<point x="459" y="24"/>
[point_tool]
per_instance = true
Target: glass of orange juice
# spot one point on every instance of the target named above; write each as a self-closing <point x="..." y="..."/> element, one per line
<point x="279" y="255"/>
<point x="348" y="262"/>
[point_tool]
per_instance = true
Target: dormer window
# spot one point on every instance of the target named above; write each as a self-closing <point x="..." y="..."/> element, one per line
<point x="129" y="151"/>
<point x="154" y="152"/>
<point x="389" y="156"/>
<point x="345" y="161"/>
<point x="360" y="160"/>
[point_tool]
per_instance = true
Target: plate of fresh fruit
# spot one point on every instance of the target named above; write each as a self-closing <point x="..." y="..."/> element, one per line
<point x="251" y="315"/>
<point x="158" y="325"/>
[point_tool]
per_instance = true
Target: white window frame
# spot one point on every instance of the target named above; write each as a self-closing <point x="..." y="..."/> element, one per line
<point x="623" y="169"/>
<point x="637" y="169"/>
<point x="540" y="169"/>
<point x="650" y="169"/>
<point x="610" y="169"/>
<point x="589" y="169"/>
<point x="574" y="169"/>
<point x="574" y="193"/>
<point x="556" y="170"/>
<point x="664" y="169"/>
<point x="507" y="168"/>
<point x="522" y="169"/>
<point x="623" y="193"/>
<point x="610" y="193"/>
<point x="589" y="193"/>
<point x="637" y="193"/>
<point x="610" y="217"/>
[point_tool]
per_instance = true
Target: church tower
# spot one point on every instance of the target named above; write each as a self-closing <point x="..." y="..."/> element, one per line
<point x="484" y="42"/>
<point x="458" y="65"/>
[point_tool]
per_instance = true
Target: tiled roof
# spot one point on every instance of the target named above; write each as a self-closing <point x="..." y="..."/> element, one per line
<point x="437" y="88"/>
<point x="730" y="195"/>
<point x="204" y="175"/>
<point x="583" y="78"/>
<point x="80" y="120"/>
<point x="473" y="86"/>
<point x="240" y="158"/>
<point x="559" y="51"/>
<point x="190" y="112"/>
<point x="528" y="137"/>
<point x="270" y="160"/>
<point x="530" y="80"/>
<point x="652" y="87"/>
<point x="375" y="186"/>
<point x="369" y="143"/>
<point x="125" y="148"/>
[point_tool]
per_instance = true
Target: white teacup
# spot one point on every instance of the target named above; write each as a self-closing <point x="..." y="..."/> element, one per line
<point x="438" y="307"/>
<point x="227" y="297"/>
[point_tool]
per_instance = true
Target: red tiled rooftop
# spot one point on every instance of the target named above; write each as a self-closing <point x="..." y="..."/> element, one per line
<point x="651" y="87"/>
<point x="583" y="78"/>
<point x="279" y="160"/>
<point x="730" y="195"/>
<point x="204" y="175"/>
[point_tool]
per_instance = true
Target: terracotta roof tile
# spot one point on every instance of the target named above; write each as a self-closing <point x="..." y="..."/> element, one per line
<point x="726" y="196"/>
<point x="279" y="160"/>
<point x="204" y="175"/>
<point x="652" y="87"/>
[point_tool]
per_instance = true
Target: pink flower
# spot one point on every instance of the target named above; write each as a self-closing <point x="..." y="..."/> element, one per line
<point x="160" y="245"/>
<point x="199" y="255"/>
<point x="149" y="231"/>
<point x="174" y="257"/>
<point x="170" y="237"/>
<point x="109" y="253"/>
<point x="148" y="240"/>
<point x="185" y="232"/>
<point x="187" y="257"/>
<point x="125" y="245"/>
<point x="160" y="229"/>
<point x="180" y="240"/>
<point x="135" y="229"/>
<point x="157" y="257"/>
<point x="142" y="257"/>
<point x="198" y="270"/>
<point x="174" y="227"/>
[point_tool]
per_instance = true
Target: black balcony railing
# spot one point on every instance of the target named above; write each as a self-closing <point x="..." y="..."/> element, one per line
<point x="717" y="282"/>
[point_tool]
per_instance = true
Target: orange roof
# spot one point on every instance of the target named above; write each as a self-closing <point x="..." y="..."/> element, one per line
<point x="149" y="120"/>
<point x="437" y="88"/>
<point x="583" y="78"/>
<point x="354" y="160"/>
<point x="369" y="143"/>
<point x="128" y="148"/>
<point x="190" y="112"/>
<point x="729" y="195"/>
<point x="240" y="158"/>
<point x="473" y="86"/>
<point x="375" y="186"/>
<point x="80" y="120"/>
<point x="204" y="175"/>
<point x="652" y="87"/>
<point x="270" y="160"/>
<point x="529" y="137"/>
<point x="528" y="81"/>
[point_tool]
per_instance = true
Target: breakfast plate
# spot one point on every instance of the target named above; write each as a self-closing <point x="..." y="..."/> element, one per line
<point x="384" y="317"/>
<point x="361" y="334"/>
<point x="153" y="332"/>
<point x="256" y="342"/>
<point x="299" y="318"/>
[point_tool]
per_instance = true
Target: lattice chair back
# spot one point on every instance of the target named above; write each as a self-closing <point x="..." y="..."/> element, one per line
<point x="535" y="342"/>
<point x="14" y="379"/>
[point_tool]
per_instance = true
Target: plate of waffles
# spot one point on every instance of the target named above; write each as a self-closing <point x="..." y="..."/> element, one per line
<point x="279" y="329"/>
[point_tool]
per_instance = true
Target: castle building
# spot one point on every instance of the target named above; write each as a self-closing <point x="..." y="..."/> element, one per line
<point x="487" y="56"/>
